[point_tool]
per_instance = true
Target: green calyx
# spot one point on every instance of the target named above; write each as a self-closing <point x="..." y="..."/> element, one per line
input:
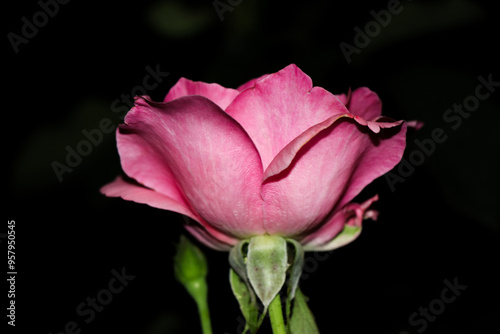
<point x="265" y="268"/>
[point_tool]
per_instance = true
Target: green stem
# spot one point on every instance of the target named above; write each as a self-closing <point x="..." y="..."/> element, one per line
<point x="276" y="316"/>
<point x="201" y="301"/>
<point x="206" y="326"/>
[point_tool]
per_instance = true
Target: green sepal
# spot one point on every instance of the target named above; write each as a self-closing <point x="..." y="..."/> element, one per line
<point x="267" y="263"/>
<point x="237" y="260"/>
<point x="246" y="300"/>
<point x="302" y="320"/>
<point x="295" y="273"/>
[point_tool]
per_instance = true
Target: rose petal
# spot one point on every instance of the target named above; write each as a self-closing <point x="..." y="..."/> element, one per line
<point x="378" y="123"/>
<point x="415" y="124"/>
<point x="365" y="103"/>
<point x="139" y="194"/>
<point x="280" y="107"/>
<point x="380" y="154"/>
<point x="284" y="158"/>
<point x="208" y="238"/>
<point x="386" y="122"/>
<point x="344" y="98"/>
<point x="147" y="166"/>
<point x="214" y="92"/>
<point x="351" y="215"/>
<point x="326" y="173"/>
<point x="251" y="83"/>
<point x="212" y="160"/>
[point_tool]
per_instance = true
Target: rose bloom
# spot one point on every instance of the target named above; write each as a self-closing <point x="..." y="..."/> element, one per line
<point x="275" y="156"/>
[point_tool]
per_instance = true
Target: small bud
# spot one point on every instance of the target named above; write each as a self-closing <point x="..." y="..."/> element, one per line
<point x="190" y="265"/>
<point x="190" y="269"/>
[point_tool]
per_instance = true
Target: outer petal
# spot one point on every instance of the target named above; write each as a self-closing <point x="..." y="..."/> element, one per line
<point x="251" y="83"/>
<point x="343" y="98"/>
<point x="329" y="237"/>
<point x="212" y="91"/>
<point x="332" y="167"/>
<point x="379" y="123"/>
<point x="378" y="154"/>
<point x="212" y="160"/>
<point x="139" y="194"/>
<point x="208" y="238"/>
<point x="367" y="107"/>
<point x="147" y="166"/>
<point x="415" y="124"/>
<point x="285" y="157"/>
<point x="365" y="103"/>
<point x="280" y="107"/>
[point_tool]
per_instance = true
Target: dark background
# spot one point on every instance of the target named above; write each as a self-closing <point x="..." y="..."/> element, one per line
<point x="441" y="223"/>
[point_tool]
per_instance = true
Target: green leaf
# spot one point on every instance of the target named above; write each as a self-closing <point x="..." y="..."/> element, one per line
<point x="296" y="269"/>
<point x="247" y="303"/>
<point x="302" y="320"/>
<point x="267" y="262"/>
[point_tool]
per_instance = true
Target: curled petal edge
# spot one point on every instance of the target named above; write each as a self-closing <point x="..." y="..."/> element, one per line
<point x="205" y="237"/>
<point x="353" y="215"/>
<point x="285" y="157"/>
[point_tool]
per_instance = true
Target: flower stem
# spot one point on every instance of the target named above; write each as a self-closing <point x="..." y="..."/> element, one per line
<point x="206" y="326"/>
<point x="276" y="316"/>
<point x="202" y="303"/>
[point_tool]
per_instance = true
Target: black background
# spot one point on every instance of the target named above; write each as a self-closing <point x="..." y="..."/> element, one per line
<point x="441" y="223"/>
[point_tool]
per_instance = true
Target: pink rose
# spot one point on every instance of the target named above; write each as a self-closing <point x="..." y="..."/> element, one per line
<point x="275" y="156"/>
